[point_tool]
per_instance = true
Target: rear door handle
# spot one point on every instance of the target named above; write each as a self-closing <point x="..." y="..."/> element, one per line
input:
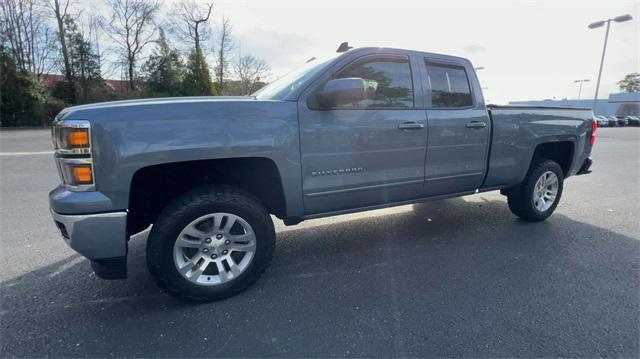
<point x="476" y="124"/>
<point x="410" y="126"/>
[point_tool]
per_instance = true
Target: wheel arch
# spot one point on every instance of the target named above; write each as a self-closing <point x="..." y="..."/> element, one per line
<point x="561" y="152"/>
<point x="153" y="187"/>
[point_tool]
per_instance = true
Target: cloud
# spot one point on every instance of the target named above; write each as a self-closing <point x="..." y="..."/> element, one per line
<point x="282" y="51"/>
<point x="474" y="49"/>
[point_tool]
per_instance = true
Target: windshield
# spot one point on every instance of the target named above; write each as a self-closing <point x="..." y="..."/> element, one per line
<point x="285" y="85"/>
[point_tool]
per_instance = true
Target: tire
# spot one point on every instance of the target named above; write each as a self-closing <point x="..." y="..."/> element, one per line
<point x="204" y="212"/>
<point x="521" y="200"/>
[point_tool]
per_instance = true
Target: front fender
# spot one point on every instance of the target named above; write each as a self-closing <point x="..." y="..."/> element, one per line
<point x="126" y="139"/>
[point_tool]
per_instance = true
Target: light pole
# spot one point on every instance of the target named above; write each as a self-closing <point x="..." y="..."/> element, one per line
<point x="595" y="25"/>
<point x="581" y="82"/>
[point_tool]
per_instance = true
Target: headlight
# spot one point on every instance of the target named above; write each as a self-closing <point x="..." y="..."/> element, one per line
<point x="72" y="141"/>
<point x="72" y="137"/>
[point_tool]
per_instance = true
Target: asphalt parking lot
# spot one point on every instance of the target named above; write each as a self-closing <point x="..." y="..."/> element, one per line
<point x="460" y="277"/>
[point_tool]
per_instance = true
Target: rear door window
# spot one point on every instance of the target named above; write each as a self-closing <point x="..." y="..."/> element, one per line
<point x="449" y="86"/>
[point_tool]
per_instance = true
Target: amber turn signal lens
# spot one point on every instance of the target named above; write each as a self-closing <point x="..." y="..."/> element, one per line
<point x="76" y="137"/>
<point x="81" y="174"/>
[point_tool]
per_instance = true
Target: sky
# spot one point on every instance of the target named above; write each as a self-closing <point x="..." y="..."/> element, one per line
<point x="529" y="49"/>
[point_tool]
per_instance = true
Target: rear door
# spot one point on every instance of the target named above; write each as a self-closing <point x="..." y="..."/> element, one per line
<point x="459" y="128"/>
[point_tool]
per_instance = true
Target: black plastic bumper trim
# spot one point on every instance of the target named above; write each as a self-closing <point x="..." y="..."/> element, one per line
<point x="585" y="167"/>
<point x="110" y="268"/>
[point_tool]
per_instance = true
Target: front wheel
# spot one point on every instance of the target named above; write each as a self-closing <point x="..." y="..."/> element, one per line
<point x="210" y="243"/>
<point x="538" y="195"/>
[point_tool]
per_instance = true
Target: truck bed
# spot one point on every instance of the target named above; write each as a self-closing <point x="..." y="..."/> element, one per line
<point x="518" y="130"/>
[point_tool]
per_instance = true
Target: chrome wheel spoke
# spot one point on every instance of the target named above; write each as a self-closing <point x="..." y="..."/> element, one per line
<point x="188" y="243"/>
<point x="243" y="247"/>
<point x="194" y="232"/>
<point x="231" y="220"/>
<point x="216" y="223"/>
<point x="246" y="237"/>
<point x="190" y="265"/>
<point x="233" y="267"/>
<point x="197" y="271"/>
<point x="243" y="242"/>
<point x="222" y="273"/>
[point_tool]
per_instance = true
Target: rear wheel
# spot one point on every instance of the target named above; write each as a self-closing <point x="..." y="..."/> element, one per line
<point x="538" y="195"/>
<point x="210" y="243"/>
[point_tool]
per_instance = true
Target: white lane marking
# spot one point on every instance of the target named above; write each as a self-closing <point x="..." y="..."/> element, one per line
<point x="66" y="266"/>
<point x="25" y="153"/>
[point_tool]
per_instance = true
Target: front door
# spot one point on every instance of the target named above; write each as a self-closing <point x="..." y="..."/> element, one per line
<point x="368" y="152"/>
<point x="459" y="129"/>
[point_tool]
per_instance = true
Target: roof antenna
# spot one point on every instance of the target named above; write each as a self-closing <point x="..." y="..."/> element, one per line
<point x="344" y="47"/>
<point x="311" y="59"/>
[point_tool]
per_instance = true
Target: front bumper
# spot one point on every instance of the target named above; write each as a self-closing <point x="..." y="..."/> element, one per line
<point x="101" y="237"/>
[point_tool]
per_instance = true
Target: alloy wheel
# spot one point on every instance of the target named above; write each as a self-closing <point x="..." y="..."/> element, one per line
<point x="545" y="191"/>
<point x="214" y="249"/>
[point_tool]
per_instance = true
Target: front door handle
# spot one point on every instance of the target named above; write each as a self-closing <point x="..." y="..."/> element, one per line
<point x="410" y="126"/>
<point x="476" y="124"/>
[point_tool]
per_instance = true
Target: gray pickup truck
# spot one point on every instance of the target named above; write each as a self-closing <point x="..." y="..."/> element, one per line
<point x="365" y="129"/>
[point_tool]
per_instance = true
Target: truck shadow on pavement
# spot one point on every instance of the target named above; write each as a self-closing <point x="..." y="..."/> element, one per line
<point x="448" y="278"/>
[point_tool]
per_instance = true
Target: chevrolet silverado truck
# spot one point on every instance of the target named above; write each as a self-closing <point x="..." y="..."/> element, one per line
<point x="365" y="129"/>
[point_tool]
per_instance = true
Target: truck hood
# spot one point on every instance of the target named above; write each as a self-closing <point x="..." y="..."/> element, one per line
<point x="153" y="101"/>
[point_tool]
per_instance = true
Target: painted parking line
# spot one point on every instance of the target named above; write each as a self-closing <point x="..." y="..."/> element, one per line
<point x="26" y="153"/>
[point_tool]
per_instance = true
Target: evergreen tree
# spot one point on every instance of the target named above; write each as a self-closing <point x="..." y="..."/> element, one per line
<point x="23" y="102"/>
<point x="164" y="70"/>
<point x="19" y="89"/>
<point x="85" y="69"/>
<point x="197" y="80"/>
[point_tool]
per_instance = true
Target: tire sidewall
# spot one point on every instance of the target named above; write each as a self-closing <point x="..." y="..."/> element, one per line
<point x="178" y="215"/>
<point x="528" y="190"/>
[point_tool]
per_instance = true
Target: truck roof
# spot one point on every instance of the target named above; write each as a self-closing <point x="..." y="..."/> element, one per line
<point x="399" y="50"/>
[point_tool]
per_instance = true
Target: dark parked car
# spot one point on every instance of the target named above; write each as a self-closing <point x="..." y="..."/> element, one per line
<point x="622" y="121"/>
<point x="602" y="121"/>
<point x="613" y="121"/>
<point x="633" y="120"/>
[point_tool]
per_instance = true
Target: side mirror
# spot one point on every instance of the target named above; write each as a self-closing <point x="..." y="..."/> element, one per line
<point x="343" y="91"/>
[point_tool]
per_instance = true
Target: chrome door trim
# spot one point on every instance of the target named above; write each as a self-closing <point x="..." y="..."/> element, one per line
<point x="363" y="188"/>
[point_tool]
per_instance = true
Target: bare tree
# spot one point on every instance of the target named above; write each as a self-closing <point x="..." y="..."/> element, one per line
<point x="13" y="13"/>
<point x="32" y="42"/>
<point x="251" y="71"/>
<point x="191" y="21"/>
<point x="130" y="29"/>
<point x="60" y="10"/>
<point x="92" y="28"/>
<point x="224" y="45"/>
